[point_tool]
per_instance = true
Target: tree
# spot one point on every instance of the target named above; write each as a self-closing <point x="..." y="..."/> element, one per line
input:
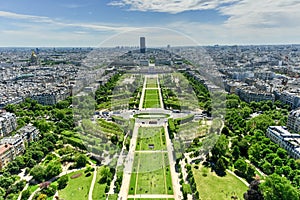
<point x="62" y="181"/>
<point x="2" y="193"/>
<point x="277" y="162"/>
<point x="241" y="166"/>
<point x="6" y="181"/>
<point x="53" y="169"/>
<point x="42" y="197"/>
<point x="105" y="174"/>
<point x="267" y="168"/>
<point x="221" y="166"/>
<point x="261" y="122"/>
<point x="243" y="147"/>
<point x="281" y="153"/>
<point x="276" y="187"/>
<point x="25" y="194"/>
<point x="254" y="192"/>
<point x="38" y="173"/>
<point x="254" y="152"/>
<point x="220" y="149"/>
<point x="81" y="160"/>
<point x="232" y="103"/>
<point x="236" y="152"/>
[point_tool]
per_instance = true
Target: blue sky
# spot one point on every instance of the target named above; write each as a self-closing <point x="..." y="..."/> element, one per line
<point x="174" y="22"/>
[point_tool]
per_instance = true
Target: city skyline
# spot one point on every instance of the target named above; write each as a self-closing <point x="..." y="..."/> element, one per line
<point x="104" y="23"/>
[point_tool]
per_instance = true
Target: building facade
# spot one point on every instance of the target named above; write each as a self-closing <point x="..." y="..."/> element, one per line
<point x="142" y="44"/>
<point x="293" y="122"/>
<point x="248" y="95"/>
<point x="6" y="154"/>
<point x="286" y="140"/>
<point x="16" y="142"/>
<point x="8" y="123"/>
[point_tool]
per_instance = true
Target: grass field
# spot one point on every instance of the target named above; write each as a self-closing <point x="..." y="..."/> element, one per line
<point x="148" y="199"/>
<point x="151" y="99"/>
<point x="151" y="83"/>
<point x="147" y="136"/>
<point x="77" y="188"/>
<point x="99" y="189"/>
<point x="151" y="174"/>
<point x="211" y="186"/>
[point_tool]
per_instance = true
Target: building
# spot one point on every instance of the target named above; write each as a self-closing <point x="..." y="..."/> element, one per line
<point x="16" y="142"/>
<point x="13" y="146"/>
<point x="6" y="154"/>
<point x="8" y="123"/>
<point x="290" y="98"/>
<point x="249" y="94"/>
<point x="289" y="141"/>
<point x="293" y="122"/>
<point x="142" y="45"/>
<point x="29" y="133"/>
<point x="51" y="97"/>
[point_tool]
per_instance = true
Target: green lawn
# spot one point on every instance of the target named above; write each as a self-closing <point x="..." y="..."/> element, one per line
<point x="151" y="83"/>
<point x="153" y="135"/>
<point x="99" y="189"/>
<point x="213" y="187"/>
<point x="151" y="174"/>
<point x="147" y="199"/>
<point x="77" y="188"/>
<point x="113" y="197"/>
<point x="151" y="99"/>
<point x="151" y="115"/>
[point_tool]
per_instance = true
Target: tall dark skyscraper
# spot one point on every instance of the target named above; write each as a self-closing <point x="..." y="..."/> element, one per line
<point x="142" y="44"/>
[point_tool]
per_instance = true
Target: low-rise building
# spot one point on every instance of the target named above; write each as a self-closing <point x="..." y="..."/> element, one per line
<point x="289" y="141"/>
<point x="6" y="154"/>
<point x="293" y="122"/>
<point x="16" y="142"/>
<point x="29" y="133"/>
<point x="8" y="123"/>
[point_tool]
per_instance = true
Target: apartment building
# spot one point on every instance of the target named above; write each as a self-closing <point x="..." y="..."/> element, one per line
<point x="293" y="122"/>
<point x="249" y="94"/>
<point x="8" y="123"/>
<point x="29" y="133"/>
<point x="6" y="154"/>
<point x="16" y="142"/>
<point x="286" y="140"/>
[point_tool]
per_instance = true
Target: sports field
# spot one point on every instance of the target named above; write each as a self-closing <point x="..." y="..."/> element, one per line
<point x="151" y="99"/>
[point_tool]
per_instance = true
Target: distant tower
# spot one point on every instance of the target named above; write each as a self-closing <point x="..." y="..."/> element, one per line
<point x="142" y="44"/>
<point x="33" y="58"/>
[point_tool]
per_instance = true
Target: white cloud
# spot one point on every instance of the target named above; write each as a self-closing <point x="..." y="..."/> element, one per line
<point x="262" y="13"/>
<point x="170" y="6"/>
<point x="34" y="18"/>
<point x="49" y="21"/>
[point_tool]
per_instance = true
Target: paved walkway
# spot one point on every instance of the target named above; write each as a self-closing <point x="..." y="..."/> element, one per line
<point x="160" y="95"/>
<point x="143" y="94"/>
<point x="93" y="184"/>
<point x="129" y="164"/>
<point x="244" y="181"/>
<point x="174" y="175"/>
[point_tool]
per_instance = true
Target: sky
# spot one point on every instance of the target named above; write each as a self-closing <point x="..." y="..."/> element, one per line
<point x="104" y="23"/>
